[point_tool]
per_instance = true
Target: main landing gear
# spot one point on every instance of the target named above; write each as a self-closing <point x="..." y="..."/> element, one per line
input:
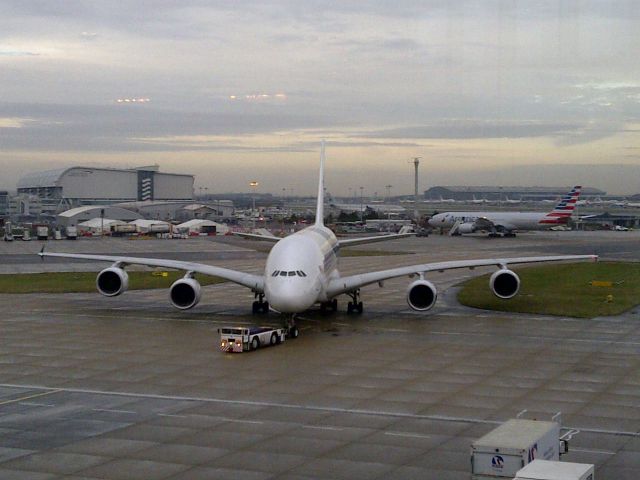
<point x="355" y="305"/>
<point x="329" y="307"/>
<point x="260" y="306"/>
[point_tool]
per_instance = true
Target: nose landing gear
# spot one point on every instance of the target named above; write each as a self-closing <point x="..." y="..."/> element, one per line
<point x="291" y="327"/>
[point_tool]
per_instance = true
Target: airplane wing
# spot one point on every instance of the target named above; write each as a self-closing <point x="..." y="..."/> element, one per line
<point x="349" y="242"/>
<point x="249" y="280"/>
<point x="353" y="282"/>
<point x="256" y="236"/>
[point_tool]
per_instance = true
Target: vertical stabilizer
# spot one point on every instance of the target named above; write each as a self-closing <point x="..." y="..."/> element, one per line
<point x="320" y="205"/>
<point x="565" y="208"/>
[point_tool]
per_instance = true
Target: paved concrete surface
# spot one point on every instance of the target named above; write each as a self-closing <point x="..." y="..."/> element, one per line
<point x="128" y="387"/>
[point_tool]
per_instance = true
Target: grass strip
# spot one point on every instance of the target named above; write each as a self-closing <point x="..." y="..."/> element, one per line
<point x="563" y="289"/>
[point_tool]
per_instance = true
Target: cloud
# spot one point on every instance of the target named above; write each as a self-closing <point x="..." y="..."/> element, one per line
<point x="144" y="128"/>
<point x="17" y="53"/>
<point x="474" y="129"/>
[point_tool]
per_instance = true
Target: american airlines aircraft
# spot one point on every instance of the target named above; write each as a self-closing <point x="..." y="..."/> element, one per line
<point x="507" y="223"/>
<point x="301" y="271"/>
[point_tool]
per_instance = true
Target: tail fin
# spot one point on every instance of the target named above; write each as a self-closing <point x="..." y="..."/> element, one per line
<point x="320" y="205"/>
<point x="564" y="209"/>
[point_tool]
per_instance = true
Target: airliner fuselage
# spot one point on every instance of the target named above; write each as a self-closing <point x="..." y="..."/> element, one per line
<point x="299" y="268"/>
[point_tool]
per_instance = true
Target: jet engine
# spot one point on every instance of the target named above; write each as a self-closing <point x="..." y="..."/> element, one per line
<point x="185" y="293"/>
<point x="466" y="228"/>
<point x="422" y="295"/>
<point x="112" y="281"/>
<point x="504" y="283"/>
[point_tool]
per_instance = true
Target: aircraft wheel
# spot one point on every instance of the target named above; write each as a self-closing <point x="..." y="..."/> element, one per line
<point x="265" y="307"/>
<point x="349" y="308"/>
<point x="255" y="343"/>
<point x="360" y="307"/>
<point x="255" y="307"/>
<point x="334" y="304"/>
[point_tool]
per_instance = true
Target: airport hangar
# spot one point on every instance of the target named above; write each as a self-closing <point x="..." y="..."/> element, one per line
<point x="66" y="188"/>
<point x="494" y="193"/>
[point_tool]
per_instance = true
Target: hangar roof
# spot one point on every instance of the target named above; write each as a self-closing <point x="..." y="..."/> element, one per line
<point x="109" y="210"/>
<point x="47" y="178"/>
<point x="50" y="178"/>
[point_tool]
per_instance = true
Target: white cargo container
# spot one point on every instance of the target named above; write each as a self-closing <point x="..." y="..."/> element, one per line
<point x="511" y="446"/>
<point x="546" y="470"/>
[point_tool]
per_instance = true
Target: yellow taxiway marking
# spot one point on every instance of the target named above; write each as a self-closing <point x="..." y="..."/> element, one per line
<point x="29" y="397"/>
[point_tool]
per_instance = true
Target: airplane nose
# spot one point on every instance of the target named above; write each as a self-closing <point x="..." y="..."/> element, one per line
<point x="286" y="299"/>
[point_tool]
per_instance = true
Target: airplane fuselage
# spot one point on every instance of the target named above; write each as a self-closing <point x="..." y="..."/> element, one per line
<point x="299" y="268"/>
<point x="518" y="220"/>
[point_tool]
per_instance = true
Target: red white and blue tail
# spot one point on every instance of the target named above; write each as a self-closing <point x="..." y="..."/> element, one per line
<point x="564" y="209"/>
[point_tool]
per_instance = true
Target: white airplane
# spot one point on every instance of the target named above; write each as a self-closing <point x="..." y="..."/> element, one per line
<point x="479" y="200"/>
<point x="301" y="271"/>
<point x="512" y="200"/>
<point x="507" y="223"/>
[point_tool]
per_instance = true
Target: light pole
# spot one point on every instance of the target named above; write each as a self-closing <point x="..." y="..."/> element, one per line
<point x="388" y="187"/>
<point x="361" y="205"/>
<point x="416" y="162"/>
<point x="253" y="184"/>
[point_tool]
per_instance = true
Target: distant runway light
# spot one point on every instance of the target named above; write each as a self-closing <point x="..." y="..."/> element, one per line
<point x="133" y="100"/>
<point x="259" y="97"/>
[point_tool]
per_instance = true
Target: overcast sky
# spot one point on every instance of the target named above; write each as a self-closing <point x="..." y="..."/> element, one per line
<point x="485" y="92"/>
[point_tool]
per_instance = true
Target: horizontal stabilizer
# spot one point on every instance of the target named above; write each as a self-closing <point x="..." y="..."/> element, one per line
<point x="349" y="242"/>
<point x="255" y="236"/>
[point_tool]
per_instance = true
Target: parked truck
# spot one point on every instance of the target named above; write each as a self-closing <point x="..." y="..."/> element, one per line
<point x="511" y="446"/>
<point x="547" y="470"/>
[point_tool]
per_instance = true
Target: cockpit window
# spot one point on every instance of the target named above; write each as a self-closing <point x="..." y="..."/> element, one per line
<point x="291" y="273"/>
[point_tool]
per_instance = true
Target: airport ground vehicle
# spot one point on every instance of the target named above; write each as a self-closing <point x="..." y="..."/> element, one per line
<point x="546" y="470"/>
<point x="42" y="232"/>
<point x="8" y="234"/>
<point x="511" y="446"/>
<point x="72" y="232"/>
<point x="242" y="339"/>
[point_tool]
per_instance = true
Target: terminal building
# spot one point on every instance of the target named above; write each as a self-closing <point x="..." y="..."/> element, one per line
<point x="65" y="188"/>
<point x="4" y="202"/>
<point x="495" y="194"/>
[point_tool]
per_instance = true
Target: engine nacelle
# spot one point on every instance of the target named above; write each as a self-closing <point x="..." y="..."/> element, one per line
<point x="504" y="283"/>
<point x="422" y="295"/>
<point x="185" y="293"/>
<point x="112" y="281"/>
<point x="466" y="228"/>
